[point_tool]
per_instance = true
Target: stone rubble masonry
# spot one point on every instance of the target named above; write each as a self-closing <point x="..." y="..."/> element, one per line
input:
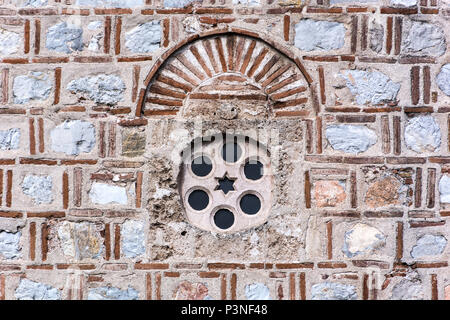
<point x="98" y="98"/>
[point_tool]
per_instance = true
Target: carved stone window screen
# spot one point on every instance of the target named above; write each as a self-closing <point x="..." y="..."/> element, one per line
<point x="242" y="187"/>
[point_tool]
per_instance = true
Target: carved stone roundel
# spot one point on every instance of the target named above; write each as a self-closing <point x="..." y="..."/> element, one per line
<point x="226" y="185"/>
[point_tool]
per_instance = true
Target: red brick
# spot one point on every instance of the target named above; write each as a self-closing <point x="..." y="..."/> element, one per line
<point x="5" y="85"/>
<point x="117" y="36"/>
<point x="208" y="274"/>
<point x="46" y="214"/>
<point x="388" y="10"/>
<point x="303" y="265"/>
<point x="9" y="181"/>
<point x="286" y="27"/>
<point x="133" y="122"/>
<point x="37" y="36"/>
<point x="233" y="284"/>
<point x="397" y="135"/>
<point x="32" y="248"/>
<point x="92" y="59"/>
<point x="431" y="182"/>
<point x="215" y="10"/>
<point x="151" y="266"/>
<point x="399" y="239"/>
<point x="71" y="162"/>
<point x="113" y="11"/>
<point x="222" y="265"/>
<point x="117" y="242"/>
<point x="44" y="241"/>
<point x="423" y="224"/>
<point x="302" y="286"/>
<point x="323" y="10"/>
<point x="332" y="265"/>
<point x="38" y="12"/>
<point x="71" y="11"/>
<point x="11" y="214"/>
<point x="442" y="264"/>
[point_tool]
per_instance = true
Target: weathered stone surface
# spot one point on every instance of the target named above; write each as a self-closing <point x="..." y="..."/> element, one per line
<point x="73" y="137"/>
<point x="94" y="42"/>
<point x="177" y="3"/>
<point x="95" y="25"/>
<point x="447" y="293"/>
<point x="384" y="192"/>
<point x="10" y="244"/>
<point x="36" y="3"/>
<point x="257" y="291"/>
<point x="191" y="25"/>
<point x="161" y="193"/>
<point x="388" y="186"/>
<point x="407" y="289"/>
<point x="102" y="89"/>
<point x="144" y="38"/>
<point x="333" y="291"/>
<point x="350" y="138"/>
<point x="9" y="139"/>
<point x="429" y="245"/>
<point x="444" y="189"/>
<point x="422" y="134"/>
<point x="329" y="193"/>
<point x="353" y="1"/>
<point x="132" y="235"/>
<point x="376" y="33"/>
<point x="80" y="240"/>
<point x="247" y="2"/>
<point x="290" y="2"/>
<point x="187" y="290"/>
<point x="370" y="87"/>
<point x="443" y="79"/>
<point x="422" y="38"/>
<point x="133" y="143"/>
<point x="403" y="3"/>
<point x="111" y="3"/>
<point x="34" y="86"/>
<point x="64" y="38"/>
<point x="362" y="239"/>
<point x="112" y="293"/>
<point x="30" y="290"/>
<point x="319" y="35"/>
<point x="39" y="188"/>
<point x="102" y="193"/>
<point x="9" y="42"/>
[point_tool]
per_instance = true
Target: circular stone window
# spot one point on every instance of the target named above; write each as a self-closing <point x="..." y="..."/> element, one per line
<point x="226" y="184"/>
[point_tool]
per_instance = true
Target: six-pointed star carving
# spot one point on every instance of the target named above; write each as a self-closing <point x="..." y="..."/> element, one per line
<point x="225" y="183"/>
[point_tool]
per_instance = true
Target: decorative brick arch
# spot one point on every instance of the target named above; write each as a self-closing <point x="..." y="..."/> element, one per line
<point x="228" y="64"/>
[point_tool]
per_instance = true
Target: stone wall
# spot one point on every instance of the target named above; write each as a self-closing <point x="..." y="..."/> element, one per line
<point x="99" y="98"/>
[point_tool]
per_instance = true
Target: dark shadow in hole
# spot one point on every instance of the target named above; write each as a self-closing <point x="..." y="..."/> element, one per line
<point x="231" y="152"/>
<point x="201" y="166"/>
<point x="250" y="204"/>
<point x="198" y="200"/>
<point x="224" y="218"/>
<point x="253" y="170"/>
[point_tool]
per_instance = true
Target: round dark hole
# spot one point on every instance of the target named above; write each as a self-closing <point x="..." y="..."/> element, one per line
<point x="254" y="170"/>
<point x="250" y="204"/>
<point x="231" y="152"/>
<point x="224" y="218"/>
<point x="198" y="200"/>
<point x="201" y="166"/>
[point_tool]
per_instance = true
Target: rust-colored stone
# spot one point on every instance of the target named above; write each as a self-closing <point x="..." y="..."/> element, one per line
<point x="329" y="193"/>
<point x="383" y="192"/>
<point x="187" y="290"/>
